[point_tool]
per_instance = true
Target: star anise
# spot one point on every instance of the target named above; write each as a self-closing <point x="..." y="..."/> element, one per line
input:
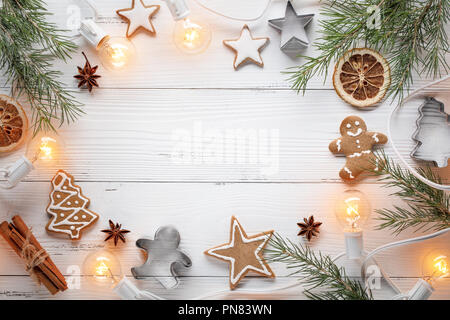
<point x="115" y="232"/>
<point x="309" y="228"/>
<point x="87" y="76"/>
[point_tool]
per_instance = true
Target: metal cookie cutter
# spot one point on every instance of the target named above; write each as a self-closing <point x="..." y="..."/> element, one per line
<point x="432" y="134"/>
<point x="163" y="256"/>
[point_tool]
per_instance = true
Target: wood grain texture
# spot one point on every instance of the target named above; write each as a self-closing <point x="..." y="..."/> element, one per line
<point x="187" y="141"/>
<point x="210" y="135"/>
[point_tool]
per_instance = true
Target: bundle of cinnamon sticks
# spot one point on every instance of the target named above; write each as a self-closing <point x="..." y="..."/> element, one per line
<point x="42" y="268"/>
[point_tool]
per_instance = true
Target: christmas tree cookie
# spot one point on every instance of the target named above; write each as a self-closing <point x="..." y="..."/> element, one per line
<point x="68" y="207"/>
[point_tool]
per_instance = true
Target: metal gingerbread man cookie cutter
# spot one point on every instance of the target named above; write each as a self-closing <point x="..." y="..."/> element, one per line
<point x="163" y="256"/>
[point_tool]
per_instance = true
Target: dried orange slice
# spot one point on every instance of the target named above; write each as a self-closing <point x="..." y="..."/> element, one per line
<point x="361" y="77"/>
<point x="13" y="124"/>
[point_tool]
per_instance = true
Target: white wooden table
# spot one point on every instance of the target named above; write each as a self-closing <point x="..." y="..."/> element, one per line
<point x="251" y="147"/>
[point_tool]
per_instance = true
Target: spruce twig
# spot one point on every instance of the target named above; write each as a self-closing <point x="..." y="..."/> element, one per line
<point x="316" y="271"/>
<point x="427" y="208"/>
<point x="412" y="38"/>
<point x="28" y="44"/>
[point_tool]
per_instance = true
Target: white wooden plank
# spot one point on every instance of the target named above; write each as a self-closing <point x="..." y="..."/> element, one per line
<point x="209" y="135"/>
<point x="21" y="287"/>
<point x="202" y="214"/>
<point x="160" y="65"/>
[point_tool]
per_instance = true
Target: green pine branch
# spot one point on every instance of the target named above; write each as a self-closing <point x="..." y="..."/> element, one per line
<point x="427" y="208"/>
<point x="28" y="45"/>
<point x="317" y="271"/>
<point x="412" y="38"/>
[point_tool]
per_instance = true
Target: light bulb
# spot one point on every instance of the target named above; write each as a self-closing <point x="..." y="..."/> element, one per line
<point x="116" y="52"/>
<point x="103" y="268"/>
<point x="44" y="147"/>
<point x="436" y="265"/>
<point x="191" y="36"/>
<point x="352" y="210"/>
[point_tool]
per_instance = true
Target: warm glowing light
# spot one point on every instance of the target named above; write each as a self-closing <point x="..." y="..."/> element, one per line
<point x="191" y="37"/>
<point x="436" y="265"/>
<point x="103" y="268"/>
<point x="352" y="210"/>
<point x="45" y="149"/>
<point x="441" y="266"/>
<point x="117" y="53"/>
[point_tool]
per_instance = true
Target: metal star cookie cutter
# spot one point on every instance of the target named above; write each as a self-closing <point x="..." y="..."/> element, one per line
<point x="432" y="134"/>
<point x="292" y="27"/>
<point x="163" y="256"/>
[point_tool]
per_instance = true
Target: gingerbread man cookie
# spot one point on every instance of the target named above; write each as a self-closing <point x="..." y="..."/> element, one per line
<point x="68" y="207"/>
<point x="356" y="144"/>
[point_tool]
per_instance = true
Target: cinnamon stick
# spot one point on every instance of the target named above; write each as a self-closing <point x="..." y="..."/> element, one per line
<point x="23" y="229"/>
<point x="5" y="232"/>
<point x="47" y="273"/>
<point x="44" y="276"/>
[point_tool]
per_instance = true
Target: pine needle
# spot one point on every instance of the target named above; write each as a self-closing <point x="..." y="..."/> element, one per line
<point x="317" y="271"/>
<point x="411" y="37"/>
<point x="427" y="208"/>
<point x="28" y="45"/>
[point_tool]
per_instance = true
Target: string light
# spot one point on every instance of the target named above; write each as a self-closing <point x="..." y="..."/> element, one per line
<point x="352" y="210"/>
<point x="190" y="36"/>
<point x="42" y="148"/>
<point x="115" y="52"/>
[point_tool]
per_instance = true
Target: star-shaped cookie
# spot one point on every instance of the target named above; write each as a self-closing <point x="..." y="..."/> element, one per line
<point x="139" y="17"/>
<point x="247" y="48"/>
<point x="243" y="253"/>
<point x="292" y="28"/>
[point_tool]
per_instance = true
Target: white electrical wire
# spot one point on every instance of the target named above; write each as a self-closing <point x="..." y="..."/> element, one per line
<point x="233" y="18"/>
<point x="397" y="244"/>
<point x="410" y="168"/>
<point x="145" y="294"/>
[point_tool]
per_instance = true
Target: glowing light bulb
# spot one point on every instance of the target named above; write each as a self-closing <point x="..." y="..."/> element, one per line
<point x="103" y="268"/>
<point x="191" y="36"/>
<point x="436" y="265"/>
<point x="352" y="210"/>
<point x="116" y="52"/>
<point x="44" y="147"/>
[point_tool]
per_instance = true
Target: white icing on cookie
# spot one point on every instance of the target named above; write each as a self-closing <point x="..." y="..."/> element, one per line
<point x="247" y="48"/>
<point x="338" y="144"/>
<point x="53" y="209"/>
<point x="357" y="122"/>
<point x="358" y="132"/>
<point x="349" y="172"/>
<point x="139" y="16"/>
<point x="375" y="137"/>
<point x="236" y="230"/>
<point x="359" y="154"/>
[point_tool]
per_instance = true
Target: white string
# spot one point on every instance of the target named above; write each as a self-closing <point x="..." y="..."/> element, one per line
<point x="149" y="295"/>
<point x="233" y="18"/>
<point x="397" y="244"/>
<point x="411" y="169"/>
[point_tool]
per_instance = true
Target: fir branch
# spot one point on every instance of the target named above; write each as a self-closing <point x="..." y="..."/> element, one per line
<point x="316" y="271"/>
<point x="412" y="38"/>
<point x="428" y="208"/>
<point x="28" y="44"/>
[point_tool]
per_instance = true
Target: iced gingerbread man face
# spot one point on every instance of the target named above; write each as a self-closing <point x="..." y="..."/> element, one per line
<point x="353" y="126"/>
<point x="356" y="144"/>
